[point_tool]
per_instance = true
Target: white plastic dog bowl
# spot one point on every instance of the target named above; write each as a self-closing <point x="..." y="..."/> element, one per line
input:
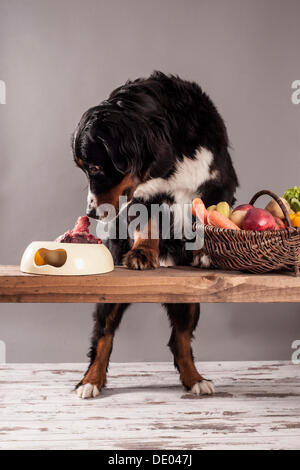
<point x="66" y="259"/>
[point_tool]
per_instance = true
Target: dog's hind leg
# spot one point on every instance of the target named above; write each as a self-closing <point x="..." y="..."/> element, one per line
<point x="107" y="318"/>
<point x="184" y="319"/>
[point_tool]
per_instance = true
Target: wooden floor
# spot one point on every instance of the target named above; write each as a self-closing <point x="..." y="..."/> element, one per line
<point x="257" y="406"/>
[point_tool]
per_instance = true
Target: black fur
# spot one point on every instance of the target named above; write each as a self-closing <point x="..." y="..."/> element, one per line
<point x="101" y="316"/>
<point x="144" y="128"/>
<point x="179" y="316"/>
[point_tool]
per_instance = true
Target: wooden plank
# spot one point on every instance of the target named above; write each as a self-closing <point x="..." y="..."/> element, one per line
<point x="256" y="405"/>
<point x="176" y="284"/>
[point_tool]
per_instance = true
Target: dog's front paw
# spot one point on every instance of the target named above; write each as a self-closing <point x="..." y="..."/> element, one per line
<point x="204" y="387"/>
<point x="87" y="391"/>
<point x="139" y="258"/>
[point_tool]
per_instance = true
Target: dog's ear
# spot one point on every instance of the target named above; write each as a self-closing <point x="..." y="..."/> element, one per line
<point x="121" y="164"/>
<point x="124" y="149"/>
<point x="135" y="148"/>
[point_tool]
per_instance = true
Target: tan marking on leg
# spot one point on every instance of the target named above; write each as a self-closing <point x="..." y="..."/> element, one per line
<point x="96" y="374"/>
<point x="188" y="372"/>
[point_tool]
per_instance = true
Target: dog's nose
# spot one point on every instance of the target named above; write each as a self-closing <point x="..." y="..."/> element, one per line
<point x="91" y="213"/>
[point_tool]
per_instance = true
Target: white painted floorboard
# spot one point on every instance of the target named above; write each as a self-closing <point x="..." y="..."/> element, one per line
<point x="257" y="406"/>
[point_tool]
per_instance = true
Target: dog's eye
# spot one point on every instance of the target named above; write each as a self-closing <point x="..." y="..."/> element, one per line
<point x="95" y="170"/>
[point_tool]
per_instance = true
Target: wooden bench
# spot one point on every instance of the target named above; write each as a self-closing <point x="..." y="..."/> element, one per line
<point x="176" y="284"/>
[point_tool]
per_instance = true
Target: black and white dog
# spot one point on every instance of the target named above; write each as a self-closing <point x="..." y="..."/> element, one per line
<point x="155" y="140"/>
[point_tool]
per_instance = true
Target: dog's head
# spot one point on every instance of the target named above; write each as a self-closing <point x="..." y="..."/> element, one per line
<point x="99" y="150"/>
<point x="121" y="143"/>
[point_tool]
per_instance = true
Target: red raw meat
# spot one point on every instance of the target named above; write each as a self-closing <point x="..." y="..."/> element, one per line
<point x="79" y="234"/>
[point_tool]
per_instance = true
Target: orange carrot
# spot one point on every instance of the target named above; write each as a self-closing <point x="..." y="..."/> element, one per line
<point x="216" y="219"/>
<point x="199" y="210"/>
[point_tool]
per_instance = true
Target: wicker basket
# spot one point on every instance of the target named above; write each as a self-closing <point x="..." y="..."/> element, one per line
<point x="255" y="251"/>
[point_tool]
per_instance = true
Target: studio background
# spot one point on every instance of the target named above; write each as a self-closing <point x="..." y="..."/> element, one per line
<point x="60" y="57"/>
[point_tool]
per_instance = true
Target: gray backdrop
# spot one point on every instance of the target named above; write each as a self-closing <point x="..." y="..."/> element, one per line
<point x="59" y="57"/>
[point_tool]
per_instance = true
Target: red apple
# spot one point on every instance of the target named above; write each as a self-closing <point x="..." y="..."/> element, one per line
<point x="259" y="219"/>
<point x="243" y="207"/>
<point x="238" y="214"/>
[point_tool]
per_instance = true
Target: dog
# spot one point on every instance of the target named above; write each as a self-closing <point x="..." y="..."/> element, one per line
<point x="157" y="140"/>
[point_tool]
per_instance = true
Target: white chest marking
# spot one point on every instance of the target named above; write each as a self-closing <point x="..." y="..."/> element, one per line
<point x="183" y="184"/>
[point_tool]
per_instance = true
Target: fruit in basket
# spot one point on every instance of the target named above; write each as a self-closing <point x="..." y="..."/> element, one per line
<point x="280" y="224"/>
<point x="211" y="208"/>
<point x="259" y="219"/>
<point x="216" y="219"/>
<point x="237" y="217"/>
<point x="295" y="219"/>
<point x="223" y="208"/>
<point x="292" y="196"/>
<point x="238" y="214"/>
<point x="274" y="208"/>
<point x="243" y="207"/>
